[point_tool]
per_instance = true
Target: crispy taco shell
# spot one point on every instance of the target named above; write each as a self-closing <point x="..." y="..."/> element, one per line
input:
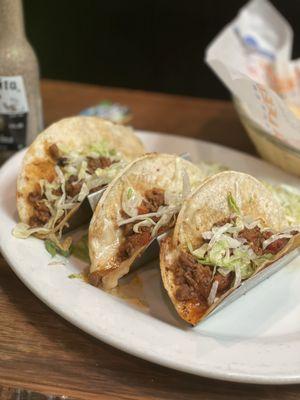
<point x="205" y="207"/>
<point x="105" y="236"/>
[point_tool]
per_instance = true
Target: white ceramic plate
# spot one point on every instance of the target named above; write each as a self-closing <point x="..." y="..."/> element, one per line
<point x="255" y="339"/>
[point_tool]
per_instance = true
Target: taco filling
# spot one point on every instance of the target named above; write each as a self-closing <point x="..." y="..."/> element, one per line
<point x="77" y="173"/>
<point x="229" y="253"/>
<point x="143" y="218"/>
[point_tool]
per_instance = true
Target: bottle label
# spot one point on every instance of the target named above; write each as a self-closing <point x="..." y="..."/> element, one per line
<point x="13" y="113"/>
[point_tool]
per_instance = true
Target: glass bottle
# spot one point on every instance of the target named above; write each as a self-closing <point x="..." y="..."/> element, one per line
<point x="20" y="100"/>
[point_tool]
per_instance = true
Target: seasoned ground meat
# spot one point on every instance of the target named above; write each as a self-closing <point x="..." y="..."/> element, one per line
<point x="72" y="186"/>
<point x="57" y="192"/>
<point x="44" y="215"/>
<point x="123" y="214"/>
<point x="266" y="234"/>
<point x="41" y="213"/>
<point x="254" y="237"/>
<point x="128" y="229"/>
<point x="133" y="243"/>
<point x="54" y="151"/>
<point x="95" y="189"/>
<point x="276" y="246"/>
<point x="95" y="163"/>
<point x="144" y="208"/>
<point x="41" y="206"/>
<point x="156" y="197"/>
<point x="224" y="282"/>
<point x="40" y="216"/>
<point x="193" y="279"/>
<point x="33" y="197"/>
<point x="34" y="221"/>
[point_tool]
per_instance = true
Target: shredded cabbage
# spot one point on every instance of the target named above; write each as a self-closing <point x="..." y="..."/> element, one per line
<point x="238" y="276"/>
<point x="212" y="293"/>
<point x="161" y="211"/>
<point x="232" y="204"/>
<point x="23" y="231"/>
<point x="147" y="222"/>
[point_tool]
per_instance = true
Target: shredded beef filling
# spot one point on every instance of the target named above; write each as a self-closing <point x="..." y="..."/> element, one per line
<point x="154" y="198"/>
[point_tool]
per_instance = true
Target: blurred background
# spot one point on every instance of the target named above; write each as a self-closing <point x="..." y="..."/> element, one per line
<point x="155" y="45"/>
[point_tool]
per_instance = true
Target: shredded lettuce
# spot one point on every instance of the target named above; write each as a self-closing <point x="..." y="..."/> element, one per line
<point x="212" y="293"/>
<point x="54" y="249"/>
<point x="146" y="222"/>
<point x="129" y="193"/>
<point x="76" y="276"/>
<point x="232" y="204"/>
<point x="161" y="211"/>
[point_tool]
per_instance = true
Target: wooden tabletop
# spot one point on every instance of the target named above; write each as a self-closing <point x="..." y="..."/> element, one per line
<point x="42" y="353"/>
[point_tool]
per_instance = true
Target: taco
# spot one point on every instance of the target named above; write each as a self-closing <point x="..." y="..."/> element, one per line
<point x="141" y="203"/>
<point x="70" y="159"/>
<point x="229" y="229"/>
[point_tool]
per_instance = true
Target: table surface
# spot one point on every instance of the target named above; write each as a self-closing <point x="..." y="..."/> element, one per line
<point x="40" y="353"/>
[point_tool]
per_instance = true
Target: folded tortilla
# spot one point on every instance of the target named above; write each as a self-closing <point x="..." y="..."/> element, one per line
<point x="66" y="162"/>
<point x="141" y="203"/>
<point x="228" y="230"/>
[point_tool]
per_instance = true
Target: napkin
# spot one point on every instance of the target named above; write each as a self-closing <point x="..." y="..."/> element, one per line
<point x="252" y="56"/>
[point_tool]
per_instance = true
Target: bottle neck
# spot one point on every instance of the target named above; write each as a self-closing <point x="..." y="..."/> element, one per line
<point x="11" y="20"/>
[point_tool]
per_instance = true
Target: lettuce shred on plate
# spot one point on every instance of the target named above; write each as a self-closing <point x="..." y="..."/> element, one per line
<point x="289" y="197"/>
<point x="54" y="249"/>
